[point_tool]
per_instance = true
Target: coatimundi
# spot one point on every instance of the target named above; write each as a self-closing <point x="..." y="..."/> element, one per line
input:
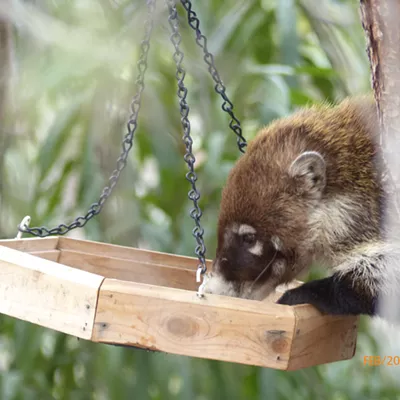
<point x="307" y="190"/>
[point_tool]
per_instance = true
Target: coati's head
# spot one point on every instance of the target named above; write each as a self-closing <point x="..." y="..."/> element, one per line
<point x="263" y="239"/>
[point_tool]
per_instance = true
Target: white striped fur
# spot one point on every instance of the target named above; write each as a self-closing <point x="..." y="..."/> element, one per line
<point x="257" y="249"/>
<point x="329" y="223"/>
<point x="246" y="229"/>
<point x="376" y="265"/>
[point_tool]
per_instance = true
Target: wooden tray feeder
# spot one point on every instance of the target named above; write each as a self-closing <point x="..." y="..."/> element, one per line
<point x="125" y="296"/>
<point x="119" y="295"/>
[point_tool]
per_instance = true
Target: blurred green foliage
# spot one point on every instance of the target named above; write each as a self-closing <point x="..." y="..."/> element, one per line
<point x="72" y="81"/>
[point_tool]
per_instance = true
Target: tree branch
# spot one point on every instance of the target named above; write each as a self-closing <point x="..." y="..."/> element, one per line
<point x="380" y="20"/>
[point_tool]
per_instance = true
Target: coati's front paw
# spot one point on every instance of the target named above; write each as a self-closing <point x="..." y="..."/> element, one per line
<point x="293" y="297"/>
<point x="329" y="296"/>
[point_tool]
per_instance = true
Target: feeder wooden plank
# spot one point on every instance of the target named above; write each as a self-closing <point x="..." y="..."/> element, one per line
<point x="144" y="306"/>
<point x="128" y="270"/>
<point x="336" y="336"/>
<point x="221" y="328"/>
<point x="31" y="244"/>
<point x="51" y="255"/>
<point x="47" y="293"/>
<point x="178" y="322"/>
<point x="111" y="250"/>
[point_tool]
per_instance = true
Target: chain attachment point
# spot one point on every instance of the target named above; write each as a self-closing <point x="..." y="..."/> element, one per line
<point x="200" y="290"/>
<point x="23" y="225"/>
<point x="189" y="157"/>
<point x="199" y="272"/>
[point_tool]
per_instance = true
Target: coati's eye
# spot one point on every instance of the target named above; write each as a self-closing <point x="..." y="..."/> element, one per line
<point x="249" y="238"/>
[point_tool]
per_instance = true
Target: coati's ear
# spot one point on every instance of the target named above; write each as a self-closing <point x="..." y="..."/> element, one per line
<point x="309" y="170"/>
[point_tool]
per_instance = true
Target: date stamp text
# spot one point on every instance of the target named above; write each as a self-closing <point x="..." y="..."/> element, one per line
<point x="376" y="361"/>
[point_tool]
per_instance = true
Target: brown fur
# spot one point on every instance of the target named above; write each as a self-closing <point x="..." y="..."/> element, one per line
<point x="260" y="191"/>
<point x="344" y="135"/>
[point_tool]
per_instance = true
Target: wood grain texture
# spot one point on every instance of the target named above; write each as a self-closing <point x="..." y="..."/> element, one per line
<point x="177" y="321"/>
<point x="51" y="255"/>
<point x="319" y="339"/>
<point x="141" y="303"/>
<point x="380" y="20"/>
<point x="31" y="244"/>
<point x="111" y="250"/>
<point x="129" y="270"/>
<point x="48" y="294"/>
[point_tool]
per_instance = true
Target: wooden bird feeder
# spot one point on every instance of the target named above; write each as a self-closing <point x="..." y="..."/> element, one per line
<point x="119" y="295"/>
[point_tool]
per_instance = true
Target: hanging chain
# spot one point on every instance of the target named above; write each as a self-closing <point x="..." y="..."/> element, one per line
<point x="127" y="143"/>
<point x="95" y="208"/>
<point x="189" y="158"/>
<point x="227" y="105"/>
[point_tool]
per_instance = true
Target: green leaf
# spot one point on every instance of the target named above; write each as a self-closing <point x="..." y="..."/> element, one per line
<point x="227" y="26"/>
<point x="56" y="194"/>
<point x="287" y="34"/>
<point x="59" y="133"/>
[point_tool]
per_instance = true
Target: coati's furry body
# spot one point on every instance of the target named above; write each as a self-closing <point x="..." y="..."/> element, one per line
<point x="306" y="191"/>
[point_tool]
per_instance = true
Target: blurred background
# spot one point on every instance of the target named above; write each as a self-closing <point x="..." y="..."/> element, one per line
<point x="67" y="73"/>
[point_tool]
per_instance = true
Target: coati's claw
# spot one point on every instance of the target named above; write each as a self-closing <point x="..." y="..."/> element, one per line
<point x="291" y="298"/>
<point x="332" y="295"/>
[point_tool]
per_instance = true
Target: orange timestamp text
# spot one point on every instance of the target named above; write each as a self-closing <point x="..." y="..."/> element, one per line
<point x="381" y="360"/>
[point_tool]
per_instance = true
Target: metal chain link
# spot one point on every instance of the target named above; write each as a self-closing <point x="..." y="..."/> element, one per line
<point x="96" y="208"/>
<point x="227" y="105"/>
<point x="189" y="158"/>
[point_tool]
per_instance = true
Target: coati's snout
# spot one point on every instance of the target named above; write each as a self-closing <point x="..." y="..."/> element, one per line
<point x="263" y="218"/>
<point x="246" y="265"/>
